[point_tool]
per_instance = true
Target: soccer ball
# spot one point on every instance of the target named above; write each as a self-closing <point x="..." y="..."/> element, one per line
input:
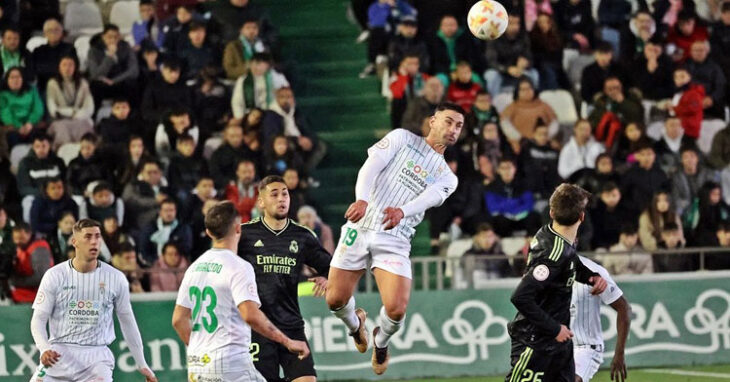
<point x="487" y="19"/>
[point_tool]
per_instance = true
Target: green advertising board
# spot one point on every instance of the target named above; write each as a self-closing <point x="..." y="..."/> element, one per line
<point x="677" y="320"/>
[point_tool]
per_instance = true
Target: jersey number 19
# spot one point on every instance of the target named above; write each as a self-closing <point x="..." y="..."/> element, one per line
<point x="206" y="297"/>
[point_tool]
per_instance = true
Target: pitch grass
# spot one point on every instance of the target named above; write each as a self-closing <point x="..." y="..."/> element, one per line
<point x="635" y="375"/>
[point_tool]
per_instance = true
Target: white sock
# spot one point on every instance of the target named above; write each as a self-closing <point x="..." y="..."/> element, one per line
<point x="388" y="327"/>
<point x="347" y="314"/>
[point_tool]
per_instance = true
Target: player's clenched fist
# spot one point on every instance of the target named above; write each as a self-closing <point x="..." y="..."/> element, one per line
<point x="298" y="347"/>
<point x="599" y="284"/>
<point x="49" y="358"/>
<point x="564" y="335"/>
<point x="356" y="211"/>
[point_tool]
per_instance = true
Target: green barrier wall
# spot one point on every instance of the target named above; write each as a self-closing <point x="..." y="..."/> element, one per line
<point x="680" y="320"/>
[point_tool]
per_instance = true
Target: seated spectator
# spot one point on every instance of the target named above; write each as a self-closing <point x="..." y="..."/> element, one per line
<point x="520" y="117"/>
<point x="547" y="48"/>
<point x="594" y="75"/>
<point x="204" y="190"/>
<point x="510" y="59"/>
<point x="280" y="157"/>
<point x="185" y="168"/>
<point x="147" y="30"/>
<point x="607" y="216"/>
<point x="710" y="212"/>
<point x="243" y="193"/>
<point x="636" y="35"/>
<point x="631" y="258"/>
<point x="113" y="235"/>
<point x="253" y="136"/>
<point x="256" y="88"/>
<point x="12" y="54"/>
<point x="671" y="238"/>
<point x="197" y="53"/>
<point x="87" y="167"/>
<point x="685" y="32"/>
<point x="492" y="146"/>
<point x="633" y="135"/>
<point x="509" y="204"/>
<point x="613" y="14"/>
<point x="716" y="261"/>
<point x="380" y="15"/>
<point x="424" y="106"/>
<point x="668" y="147"/>
<point x="176" y="29"/>
<point x="643" y="180"/>
<point x="539" y="163"/>
<point x="47" y="210"/>
<point x="177" y="124"/>
<point x="135" y="156"/>
<point x="719" y="156"/>
<point x="166" y="228"/>
<point x="481" y="112"/>
<point x="450" y="45"/>
<point x="593" y="179"/>
<point x="33" y="13"/>
<point x="307" y="216"/>
<point x="149" y="65"/>
<point x="689" y="178"/>
<point x="201" y="241"/>
<point x="21" y="108"/>
<point x="580" y="152"/>
<point x="463" y="89"/>
<point x="32" y="259"/>
<point x="297" y="195"/>
<point x="46" y="57"/>
<point x="225" y="158"/>
<point x="126" y="261"/>
<point x="211" y="101"/>
<point x="102" y="204"/>
<point x="239" y="52"/>
<point x="687" y="102"/>
<point x="113" y="66"/>
<point x="706" y="72"/>
<point x="40" y="165"/>
<point x="575" y="21"/>
<point x="407" y="85"/>
<point x="7" y="252"/>
<point x="60" y="240"/>
<point x="143" y="195"/>
<point x="486" y="243"/>
<point x="167" y="273"/>
<point x="406" y="42"/>
<point x="720" y="39"/>
<point x="229" y="13"/>
<point x="116" y="129"/>
<point x="166" y="92"/>
<point x="70" y="104"/>
<point x="652" y="71"/>
<point x="613" y="110"/>
<point x="651" y="222"/>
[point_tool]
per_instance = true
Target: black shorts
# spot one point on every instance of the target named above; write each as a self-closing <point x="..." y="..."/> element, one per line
<point x="268" y="356"/>
<point x="530" y="365"/>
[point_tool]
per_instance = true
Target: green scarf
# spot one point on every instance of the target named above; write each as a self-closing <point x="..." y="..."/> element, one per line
<point x="247" y="49"/>
<point x="249" y="90"/>
<point x="451" y="46"/>
<point x="417" y="87"/>
<point x="10" y="59"/>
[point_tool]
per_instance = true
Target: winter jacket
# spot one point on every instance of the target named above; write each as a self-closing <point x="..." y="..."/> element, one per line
<point x="639" y="185"/>
<point x="161" y="95"/>
<point x="17" y="109"/>
<point x="224" y="160"/>
<point x="719" y="156"/>
<point x="689" y="109"/>
<point x="164" y="278"/>
<point x="45" y="213"/>
<point x="244" y="200"/>
<point x="183" y="173"/>
<point x="509" y="200"/>
<point x="140" y="204"/>
<point x="607" y="224"/>
<point x="180" y="235"/>
<point x="657" y="85"/>
<point x="122" y="67"/>
<point x="235" y="62"/>
<point x="46" y="59"/>
<point x="465" y="49"/>
<point x="33" y="172"/>
<point x="593" y="77"/>
<point x="32" y="261"/>
<point x="82" y="171"/>
<point x="401" y="46"/>
<point x="539" y="165"/>
<point x="685" y="42"/>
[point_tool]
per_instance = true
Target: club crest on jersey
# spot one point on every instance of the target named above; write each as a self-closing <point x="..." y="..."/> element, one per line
<point x="294" y="247"/>
<point x="102" y="287"/>
<point x="541" y="272"/>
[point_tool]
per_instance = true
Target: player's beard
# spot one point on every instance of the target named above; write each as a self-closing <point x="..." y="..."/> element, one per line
<point x="280" y="216"/>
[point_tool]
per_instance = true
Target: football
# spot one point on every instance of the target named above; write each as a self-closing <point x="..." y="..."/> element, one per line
<point x="487" y="19"/>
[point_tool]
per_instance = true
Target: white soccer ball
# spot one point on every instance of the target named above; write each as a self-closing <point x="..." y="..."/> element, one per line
<point x="487" y="19"/>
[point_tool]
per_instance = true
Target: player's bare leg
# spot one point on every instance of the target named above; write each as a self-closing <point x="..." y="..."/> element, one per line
<point x="340" y="288"/>
<point x="395" y="292"/>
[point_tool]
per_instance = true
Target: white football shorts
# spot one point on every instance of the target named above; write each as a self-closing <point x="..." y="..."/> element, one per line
<point x="362" y="249"/>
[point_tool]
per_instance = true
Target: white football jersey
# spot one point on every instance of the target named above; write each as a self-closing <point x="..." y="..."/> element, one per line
<point x="585" y="308"/>
<point x="81" y="305"/>
<point x="412" y="166"/>
<point x="213" y="287"/>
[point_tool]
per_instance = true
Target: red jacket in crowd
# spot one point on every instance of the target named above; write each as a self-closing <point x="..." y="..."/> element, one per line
<point x="30" y="264"/>
<point x="462" y="94"/>
<point x="244" y="203"/>
<point x="685" y="42"/>
<point x="400" y="86"/>
<point x="689" y="110"/>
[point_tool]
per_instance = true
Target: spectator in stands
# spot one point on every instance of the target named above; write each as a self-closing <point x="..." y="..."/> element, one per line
<point x="463" y="89"/>
<point x="21" y="108"/>
<point x="510" y="58"/>
<point x="167" y="273"/>
<point x="623" y="152"/>
<point x="134" y="158"/>
<point x="688" y="180"/>
<point x="7" y="252"/>
<point x="607" y="216"/>
<point x="539" y="163"/>
<point x="166" y="92"/>
<point x="229" y="13"/>
<point x="575" y="21"/>
<point x="636" y="35"/>
<point x="185" y="168"/>
<point x="126" y="261"/>
<point x="485" y="242"/>
<point x="719" y="156"/>
<point x="239" y="52"/>
<point x="253" y="136"/>
<point x="116" y="129"/>
<point x="613" y="110"/>
<point x="652" y="71"/>
<point x="257" y="87"/>
<point x="297" y="194"/>
<point x="580" y="152"/>
<point x="176" y="29"/>
<point x="197" y="53"/>
<point x="113" y="66"/>
<point x="671" y="238"/>
<point x="46" y="57"/>
<point x="147" y="30"/>
<point x="595" y="75"/>
<point x="424" y="106"/>
<point x="48" y="209"/>
<point x="643" y="180"/>
<point x="613" y="14"/>
<point x="520" y="117"/>
<point x="59" y="241"/>
<point x="707" y="73"/>
<point x="89" y="166"/>
<point x="143" y="195"/>
<point x="33" y="13"/>
<point x="481" y="113"/>
<point x="660" y="212"/>
<point x="631" y="258"/>
<point x="280" y="157"/>
<point x="113" y="235"/>
<point x="547" y="48"/>
<point x="307" y="216"/>
<point x="720" y="40"/>
<point x="149" y="65"/>
<point x="40" y="165"/>
<point x="166" y="228"/>
<point x="687" y="103"/>
<point x="32" y="259"/>
<point x="225" y="158"/>
<point x="201" y="241"/>
<point x="176" y="124"/>
<point x="101" y="204"/>
<point x="12" y="54"/>
<point x="686" y="32"/>
<point x="70" y="104"/>
<point x="717" y="261"/>
<point x="204" y="190"/>
<point x="243" y="193"/>
<point x="211" y="101"/>
<point x="407" y="85"/>
<point x="710" y="213"/>
<point x="381" y="14"/>
<point x="450" y="45"/>
<point x="668" y="146"/>
<point x="407" y="43"/>
<point x="509" y="204"/>
<point x="593" y="179"/>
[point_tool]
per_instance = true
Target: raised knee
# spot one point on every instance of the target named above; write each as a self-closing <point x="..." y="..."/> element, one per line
<point x="396" y="312"/>
<point x="335" y="301"/>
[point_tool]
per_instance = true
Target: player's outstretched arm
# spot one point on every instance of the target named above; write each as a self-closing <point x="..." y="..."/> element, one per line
<point x="585" y="275"/>
<point x="130" y="331"/>
<point x="623" y="323"/>
<point x="181" y="317"/>
<point x="251" y="313"/>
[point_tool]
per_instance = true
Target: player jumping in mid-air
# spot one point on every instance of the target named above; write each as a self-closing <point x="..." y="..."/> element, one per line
<point x="76" y="299"/>
<point x="585" y="321"/>
<point x="541" y="346"/>
<point x="403" y="176"/>
<point x="217" y="302"/>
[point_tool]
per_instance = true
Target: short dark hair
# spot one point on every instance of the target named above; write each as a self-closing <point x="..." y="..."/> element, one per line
<point x="185" y="137"/>
<point x="601" y="156"/>
<point x="168" y="201"/>
<point x="268" y="180"/>
<point x="689" y="147"/>
<point x="484" y="227"/>
<point x="42" y="137"/>
<point x="110" y="27"/>
<point x="670" y="226"/>
<point x="724" y="225"/>
<point x="261" y="56"/>
<point x="685" y="15"/>
<point x="604" y="47"/>
<point x="86" y="223"/>
<point x="220" y="219"/>
<point x="120" y="99"/>
<point x="482" y="92"/>
<point x="609" y="186"/>
<point x="103" y="186"/>
<point x="725" y="7"/>
<point x="683" y="68"/>
<point x="629" y="228"/>
<point x="196" y="25"/>
<point x="51" y="180"/>
<point x="90" y="137"/>
<point x="126" y="247"/>
<point x="146" y="2"/>
<point x="172" y="63"/>
<point x="643" y="144"/>
<point x="249" y="20"/>
<point x="22" y="226"/>
<point x="171" y="244"/>
<point x="567" y="203"/>
<point x="11" y="28"/>
<point x="450" y="106"/>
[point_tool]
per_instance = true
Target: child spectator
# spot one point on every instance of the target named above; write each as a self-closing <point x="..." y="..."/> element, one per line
<point x="59" y="241"/>
<point x="186" y="168"/>
<point x="652" y="220"/>
<point x="243" y="193"/>
<point x="70" y="104"/>
<point x="167" y="273"/>
<point x="463" y="90"/>
<point x="197" y="53"/>
<point x="116" y="129"/>
<point x="48" y="209"/>
<point x="485" y="242"/>
<point x="481" y="112"/>
<point x="607" y="216"/>
<point x="539" y="163"/>
<point x="175" y="125"/>
<point x="21" y="108"/>
<point x="406" y="42"/>
<point x="239" y="52"/>
<point x="631" y="258"/>
<point x="87" y="167"/>
<point x="307" y="216"/>
<point x="281" y="157"/>
<point x="509" y="204"/>
<point x="634" y="134"/>
<point x="32" y="259"/>
<point x="687" y="102"/>
<point x="147" y="30"/>
<point x="135" y="156"/>
<point x="126" y="261"/>
<point x="257" y="86"/>
<point x="671" y="238"/>
<point x="643" y="180"/>
<point x="716" y="261"/>
<point x="40" y="165"/>
<point x="165" y="92"/>
<point x="580" y="152"/>
<point x="408" y="84"/>
<point x="102" y="204"/>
